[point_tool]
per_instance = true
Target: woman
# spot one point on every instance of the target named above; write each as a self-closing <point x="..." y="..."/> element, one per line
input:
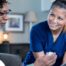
<point x="50" y="36"/>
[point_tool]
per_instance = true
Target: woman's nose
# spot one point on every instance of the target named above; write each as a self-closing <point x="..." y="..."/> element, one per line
<point x="55" y="20"/>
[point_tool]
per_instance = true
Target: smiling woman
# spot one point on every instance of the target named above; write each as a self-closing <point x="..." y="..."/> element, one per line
<point x="48" y="36"/>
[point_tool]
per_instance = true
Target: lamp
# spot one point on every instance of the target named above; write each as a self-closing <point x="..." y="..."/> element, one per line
<point x="5" y="37"/>
<point x="30" y="17"/>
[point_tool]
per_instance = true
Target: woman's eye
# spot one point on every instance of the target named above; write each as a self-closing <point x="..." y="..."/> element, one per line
<point x="52" y="14"/>
<point x="60" y="18"/>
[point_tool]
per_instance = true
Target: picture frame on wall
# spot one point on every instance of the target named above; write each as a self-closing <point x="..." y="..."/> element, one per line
<point x="14" y="23"/>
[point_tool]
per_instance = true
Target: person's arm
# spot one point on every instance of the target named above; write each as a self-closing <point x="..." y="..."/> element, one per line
<point x="38" y="56"/>
<point x="37" y="48"/>
<point x="44" y="60"/>
<point x="64" y="59"/>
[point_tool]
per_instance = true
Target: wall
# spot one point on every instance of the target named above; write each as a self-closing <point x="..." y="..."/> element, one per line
<point x="22" y="6"/>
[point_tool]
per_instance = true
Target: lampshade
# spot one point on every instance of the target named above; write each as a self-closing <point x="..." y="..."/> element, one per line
<point x="30" y="17"/>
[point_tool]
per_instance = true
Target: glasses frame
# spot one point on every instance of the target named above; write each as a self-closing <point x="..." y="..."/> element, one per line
<point x="5" y="13"/>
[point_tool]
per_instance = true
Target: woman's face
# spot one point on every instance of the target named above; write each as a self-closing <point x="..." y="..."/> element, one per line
<point x="56" y="18"/>
<point x="3" y="13"/>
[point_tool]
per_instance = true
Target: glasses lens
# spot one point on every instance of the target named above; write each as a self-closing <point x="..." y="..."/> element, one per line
<point x="5" y="12"/>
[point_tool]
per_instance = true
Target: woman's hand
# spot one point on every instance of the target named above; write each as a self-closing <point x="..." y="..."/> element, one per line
<point x="47" y="60"/>
<point x="50" y="59"/>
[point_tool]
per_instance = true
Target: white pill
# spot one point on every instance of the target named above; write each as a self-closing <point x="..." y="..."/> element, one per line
<point x="49" y="53"/>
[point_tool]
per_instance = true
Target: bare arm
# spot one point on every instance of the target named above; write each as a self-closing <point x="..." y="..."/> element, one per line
<point x="43" y="60"/>
<point x="39" y="54"/>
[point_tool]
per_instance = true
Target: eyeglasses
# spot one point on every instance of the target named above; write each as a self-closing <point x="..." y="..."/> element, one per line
<point x="5" y="13"/>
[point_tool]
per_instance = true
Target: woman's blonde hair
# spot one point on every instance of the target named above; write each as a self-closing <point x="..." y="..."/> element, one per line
<point x="64" y="29"/>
